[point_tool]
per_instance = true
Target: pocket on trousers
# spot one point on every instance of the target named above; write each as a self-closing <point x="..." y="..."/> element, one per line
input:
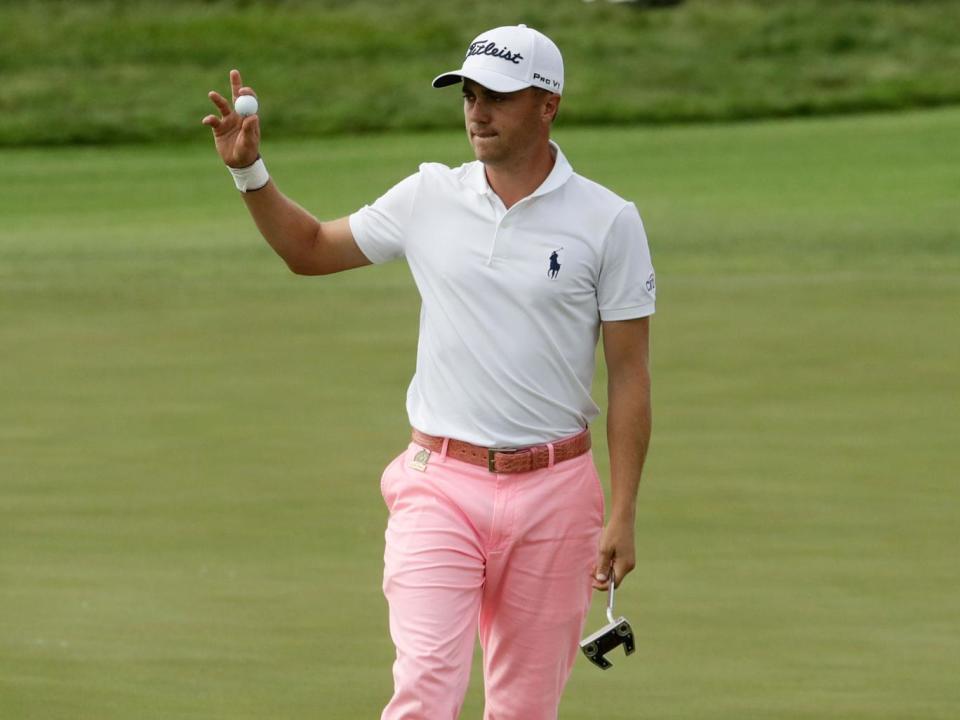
<point x="389" y="477"/>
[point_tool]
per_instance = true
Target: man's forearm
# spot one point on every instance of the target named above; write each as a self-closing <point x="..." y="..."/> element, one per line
<point x="629" y="421"/>
<point x="289" y="229"/>
<point x="308" y="246"/>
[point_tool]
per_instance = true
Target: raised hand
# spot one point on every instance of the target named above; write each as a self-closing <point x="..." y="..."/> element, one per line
<point x="237" y="138"/>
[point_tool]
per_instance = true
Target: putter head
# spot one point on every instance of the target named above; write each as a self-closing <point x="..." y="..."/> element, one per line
<point x="596" y="646"/>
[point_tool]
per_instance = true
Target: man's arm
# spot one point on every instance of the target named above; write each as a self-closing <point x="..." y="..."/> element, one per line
<point x="308" y="246"/>
<point x="626" y="347"/>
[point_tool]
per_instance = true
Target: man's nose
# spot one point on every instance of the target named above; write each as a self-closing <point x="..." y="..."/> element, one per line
<point x="479" y="110"/>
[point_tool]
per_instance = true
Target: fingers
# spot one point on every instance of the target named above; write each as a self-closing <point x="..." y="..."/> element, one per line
<point x="605" y="585"/>
<point x="243" y="132"/>
<point x="616" y="573"/>
<point x="610" y="567"/>
<point x="601" y="571"/>
<point x="235" y="83"/>
<point x="221" y="102"/>
<point x="236" y="88"/>
<point x="622" y="566"/>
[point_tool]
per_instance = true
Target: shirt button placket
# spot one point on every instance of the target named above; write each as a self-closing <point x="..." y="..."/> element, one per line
<point x="499" y="233"/>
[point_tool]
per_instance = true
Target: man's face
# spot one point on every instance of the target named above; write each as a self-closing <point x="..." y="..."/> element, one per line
<point x="504" y="126"/>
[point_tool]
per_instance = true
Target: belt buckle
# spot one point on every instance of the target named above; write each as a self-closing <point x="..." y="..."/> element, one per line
<point x="491" y="453"/>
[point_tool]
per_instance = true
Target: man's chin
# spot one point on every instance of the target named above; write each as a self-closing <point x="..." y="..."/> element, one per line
<point x="484" y="150"/>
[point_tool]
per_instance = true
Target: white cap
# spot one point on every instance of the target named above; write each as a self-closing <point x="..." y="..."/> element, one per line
<point x="510" y="58"/>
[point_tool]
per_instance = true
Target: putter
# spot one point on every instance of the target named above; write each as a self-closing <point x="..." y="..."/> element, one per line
<point x="614" y="633"/>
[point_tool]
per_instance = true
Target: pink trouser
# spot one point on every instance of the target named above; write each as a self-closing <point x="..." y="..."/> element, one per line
<point x="512" y="552"/>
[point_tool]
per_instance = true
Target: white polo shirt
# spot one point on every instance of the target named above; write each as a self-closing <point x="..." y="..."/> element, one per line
<point x="511" y="299"/>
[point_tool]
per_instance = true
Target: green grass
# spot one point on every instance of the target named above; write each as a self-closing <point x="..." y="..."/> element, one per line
<point x="191" y="437"/>
<point x="103" y="71"/>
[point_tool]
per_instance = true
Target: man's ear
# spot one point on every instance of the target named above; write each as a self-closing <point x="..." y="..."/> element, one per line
<point x="551" y="107"/>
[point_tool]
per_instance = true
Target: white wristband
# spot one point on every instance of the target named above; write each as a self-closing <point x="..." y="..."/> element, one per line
<point x="252" y="177"/>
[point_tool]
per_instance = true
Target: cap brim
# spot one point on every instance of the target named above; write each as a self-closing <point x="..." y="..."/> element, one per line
<point x="489" y="79"/>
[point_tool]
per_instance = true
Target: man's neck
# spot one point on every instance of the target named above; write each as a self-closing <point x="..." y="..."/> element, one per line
<point x="514" y="181"/>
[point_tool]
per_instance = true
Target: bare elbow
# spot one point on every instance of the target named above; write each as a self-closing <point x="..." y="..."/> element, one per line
<point x="299" y="267"/>
<point x="325" y="255"/>
<point x="306" y="260"/>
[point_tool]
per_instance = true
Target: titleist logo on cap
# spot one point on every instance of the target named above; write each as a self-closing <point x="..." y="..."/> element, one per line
<point x="508" y="59"/>
<point x="482" y="47"/>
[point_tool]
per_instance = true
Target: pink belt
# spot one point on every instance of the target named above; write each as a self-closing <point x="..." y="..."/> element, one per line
<point x="508" y="460"/>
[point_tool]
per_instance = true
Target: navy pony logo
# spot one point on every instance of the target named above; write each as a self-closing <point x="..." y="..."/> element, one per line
<point x="554" y="268"/>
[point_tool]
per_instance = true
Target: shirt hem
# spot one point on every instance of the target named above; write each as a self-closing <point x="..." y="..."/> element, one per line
<point x="628" y="313"/>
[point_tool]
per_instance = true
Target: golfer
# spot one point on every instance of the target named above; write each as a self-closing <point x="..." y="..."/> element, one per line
<point x="496" y="509"/>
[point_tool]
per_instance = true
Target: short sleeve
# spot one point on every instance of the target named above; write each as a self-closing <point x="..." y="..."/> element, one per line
<point x="380" y="229"/>
<point x="627" y="286"/>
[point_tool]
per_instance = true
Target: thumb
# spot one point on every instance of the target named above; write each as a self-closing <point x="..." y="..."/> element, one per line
<point x="248" y="143"/>
<point x="250" y="127"/>
<point x="604" y="560"/>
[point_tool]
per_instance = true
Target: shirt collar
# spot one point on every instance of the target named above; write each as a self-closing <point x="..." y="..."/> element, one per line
<point x="476" y="178"/>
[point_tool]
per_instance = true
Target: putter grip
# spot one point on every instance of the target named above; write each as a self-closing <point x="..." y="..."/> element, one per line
<point x="613" y="581"/>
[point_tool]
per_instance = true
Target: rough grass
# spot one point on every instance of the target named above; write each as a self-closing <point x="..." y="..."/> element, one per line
<point x="190" y="437"/>
<point x="108" y="72"/>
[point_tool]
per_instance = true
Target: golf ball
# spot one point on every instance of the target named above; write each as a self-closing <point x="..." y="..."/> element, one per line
<point x="246" y="105"/>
